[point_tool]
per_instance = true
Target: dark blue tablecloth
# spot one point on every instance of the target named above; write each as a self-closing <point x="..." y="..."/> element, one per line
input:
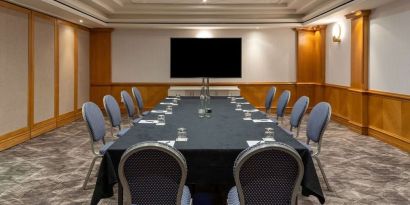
<point x="212" y="146"/>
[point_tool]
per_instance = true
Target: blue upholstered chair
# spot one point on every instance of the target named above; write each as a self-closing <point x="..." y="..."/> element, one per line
<point x="318" y="120"/>
<point x="267" y="173"/>
<point x="268" y="100"/>
<point x="129" y="106"/>
<point x="138" y="98"/>
<point x="298" y="111"/>
<point x="282" y="103"/>
<point x="154" y="173"/>
<point x="114" y="114"/>
<point x="96" y="127"/>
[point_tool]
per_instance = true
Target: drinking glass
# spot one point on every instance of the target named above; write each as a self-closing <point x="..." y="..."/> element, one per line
<point x="233" y="99"/>
<point x="248" y="115"/>
<point x="269" y="133"/>
<point x="238" y="106"/>
<point x="169" y="109"/>
<point x="161" y="120"/>
<point x="181" y="133"/>
<point x="175" y="101"/>
<point x="178" y="96"/>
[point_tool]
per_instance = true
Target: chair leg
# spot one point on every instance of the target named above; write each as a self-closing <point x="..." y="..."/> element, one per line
<point x="297" y="132"/>
<point x="87" y="177"/>
<point x="323" y="173"/>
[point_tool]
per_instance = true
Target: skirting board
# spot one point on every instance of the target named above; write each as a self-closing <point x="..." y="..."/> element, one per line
<point x="14" y="138"/>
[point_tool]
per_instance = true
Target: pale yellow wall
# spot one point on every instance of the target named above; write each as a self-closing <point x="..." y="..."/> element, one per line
<point x="13" y="70"/>
<point x="83" y="67"/>
<point x="66" y="66"/>
<point x="43" y="70"/>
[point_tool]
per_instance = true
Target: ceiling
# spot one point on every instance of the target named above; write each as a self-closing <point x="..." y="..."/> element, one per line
<point x="193" y="13"/>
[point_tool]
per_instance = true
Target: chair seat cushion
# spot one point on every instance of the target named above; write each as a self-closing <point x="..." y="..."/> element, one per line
<point x="104" y="148"/>
<point x="122" y="132"/>
<point x="307" y="146"/>
<point x="233" y="197"/>
<point x="186" y="196"/>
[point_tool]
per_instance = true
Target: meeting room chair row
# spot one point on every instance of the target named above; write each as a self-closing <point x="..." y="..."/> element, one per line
<point x="319" y="116"/>
<point x="94" y="118"/>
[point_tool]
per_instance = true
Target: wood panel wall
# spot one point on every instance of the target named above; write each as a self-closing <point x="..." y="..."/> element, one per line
<point x="36" y="73"/>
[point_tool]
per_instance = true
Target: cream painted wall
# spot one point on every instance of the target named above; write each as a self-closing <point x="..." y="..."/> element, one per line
<point x="13" y="70"/>
<point x="338" y="55"/>
<point x="43" y="70"/>
<point x="83" y="67"/>
<point x="66" y="69"/>
<point x="144" y="55"/>
<point x="389" y="52"/>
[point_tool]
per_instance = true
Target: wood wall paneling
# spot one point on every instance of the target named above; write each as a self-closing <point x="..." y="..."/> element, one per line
<point x="37" y="47"/>
<point x="14" y="61"/>
<point x="100" y="56"/>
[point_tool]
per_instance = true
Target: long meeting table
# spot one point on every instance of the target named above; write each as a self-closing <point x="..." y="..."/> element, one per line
<point x="212" y="147"/>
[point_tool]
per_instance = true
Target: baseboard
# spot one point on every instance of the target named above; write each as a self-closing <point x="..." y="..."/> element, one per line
<point x="43" y="127"/>
<point x="357" y="127"/>
<point x="340" y="119"/>
<point x="79" y="114"/>
<point x="14" y="138"/>
<point x="390" y="138"/>
<point x="66" y="118"/>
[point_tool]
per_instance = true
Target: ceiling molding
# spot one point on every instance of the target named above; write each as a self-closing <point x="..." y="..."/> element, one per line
<point x="181" y="13"/>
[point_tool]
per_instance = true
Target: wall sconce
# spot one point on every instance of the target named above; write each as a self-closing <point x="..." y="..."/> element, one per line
<point x="337" y="33"/>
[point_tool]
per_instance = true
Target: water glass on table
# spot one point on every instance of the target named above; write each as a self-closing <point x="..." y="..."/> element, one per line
<point x="233" y="99"/>
<point x="169" y="109"/>
<point x="182" y="134"/>
<point x="248" y="115"/>
<point x="161" y="120"/>
<point x="269" y="134"/>
<point x="238" y="106"/>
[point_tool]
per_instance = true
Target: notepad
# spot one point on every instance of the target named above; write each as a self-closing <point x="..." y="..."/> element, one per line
<point x="262" y="120"/>
<point x="245" y="103"/>
<point x="167" y="103"/>
<point x="253" y="110"/>
<point x="268" y="139"/>
<point x="254" y="142"/>
<point x="158" y="111"/>
<point x="169" y="142"/>
<point x="182" y="139"/>
<point x="148" y="121"/>
<point x="247" y="118"/>
<point x="171" y="98"/>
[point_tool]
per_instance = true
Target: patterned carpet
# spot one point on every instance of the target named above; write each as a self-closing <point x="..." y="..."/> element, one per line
<point x="50" y="169"/>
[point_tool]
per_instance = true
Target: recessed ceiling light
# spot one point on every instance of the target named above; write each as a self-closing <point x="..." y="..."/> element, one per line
<point x="203" y="1"/>
<point x="81" y="21"/>
<point x="257" y="27"/>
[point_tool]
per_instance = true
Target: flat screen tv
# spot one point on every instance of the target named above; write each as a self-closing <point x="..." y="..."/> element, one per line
<point x="206" y="57"/>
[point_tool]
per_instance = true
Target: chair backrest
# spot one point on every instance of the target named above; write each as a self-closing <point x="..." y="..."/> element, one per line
<point x="152" y="173"/>
<point x="113" y="110"/>
<point x="298" y="110"/>
<point x="318" y="119"/>
<point x="137" y="95"/>
<point x="94" y="118"/>
<point x="268" y="173"/>
<point x="269" y="98"/>
<point x="282" y="103"/>
<point x="129" y="104"/>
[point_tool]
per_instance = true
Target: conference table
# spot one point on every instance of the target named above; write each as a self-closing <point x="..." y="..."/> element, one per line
<point x="212" y="147"/>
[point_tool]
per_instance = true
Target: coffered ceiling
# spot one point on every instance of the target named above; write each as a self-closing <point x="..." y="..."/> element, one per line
<point x="160" y="13"/>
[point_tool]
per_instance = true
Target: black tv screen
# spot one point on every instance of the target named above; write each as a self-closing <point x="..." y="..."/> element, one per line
<point x="206" y="57"/>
